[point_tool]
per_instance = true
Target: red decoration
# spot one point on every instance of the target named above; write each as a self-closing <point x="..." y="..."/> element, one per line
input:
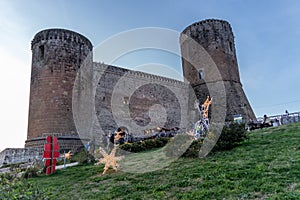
<point x="51" y="152"/>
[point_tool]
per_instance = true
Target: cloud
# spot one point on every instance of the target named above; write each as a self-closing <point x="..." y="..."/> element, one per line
<point x="14" y="101"/>
<point x="15" y="77"/>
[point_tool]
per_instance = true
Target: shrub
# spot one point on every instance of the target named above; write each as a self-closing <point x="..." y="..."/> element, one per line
<point x="178" y="145"/>
<point x="31" y="172"/>
<point x="193" y="150"/>
<point x="232" y="135"/>
<point x="126" y="146"/>
<point x="82" y="157"/>
<point x="145" y="145"/>
<point x="156" y="142"/>
<point x="137" y="147"/>
<point x="16" y="188"/>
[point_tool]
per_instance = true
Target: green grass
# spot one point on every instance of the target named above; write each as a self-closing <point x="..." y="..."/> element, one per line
<point x="267" y="166"/>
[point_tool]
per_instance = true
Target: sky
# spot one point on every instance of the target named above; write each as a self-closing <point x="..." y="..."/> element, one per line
<point x="266" y="34"/>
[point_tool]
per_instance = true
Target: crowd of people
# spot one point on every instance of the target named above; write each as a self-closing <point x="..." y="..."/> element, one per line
<point x="277" y="120"/>
<point x="120" y="136"/>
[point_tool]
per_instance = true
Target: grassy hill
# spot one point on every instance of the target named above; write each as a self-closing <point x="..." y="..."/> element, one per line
<point x="267" y="166"/>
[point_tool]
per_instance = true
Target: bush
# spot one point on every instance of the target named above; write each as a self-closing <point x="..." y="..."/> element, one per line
<point x="232" y="136"/>
<point x="193" y="150"/>
<point x="82" y="157"/>
<point x="178" y="145"/>
<point x="156" y="143"/>
<point x="31" y="172"/>
<point x="16" y="188"/>
<point x="145" y="145"/>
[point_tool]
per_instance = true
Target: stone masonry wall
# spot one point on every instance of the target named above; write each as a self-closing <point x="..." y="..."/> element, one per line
<point x="106" y="97"/>
<point x="210" y="66"/>
<point x="139" y="101"/>
<point x="18" y="155"/>
<point x="57" y="54"/>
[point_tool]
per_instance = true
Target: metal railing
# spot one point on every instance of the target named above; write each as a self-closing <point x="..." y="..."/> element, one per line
<point x="287" y="118"/>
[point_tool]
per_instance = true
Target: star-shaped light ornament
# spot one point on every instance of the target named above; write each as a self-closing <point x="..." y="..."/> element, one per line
<point x="110" y="160"/>
<point x="68" y="155"/>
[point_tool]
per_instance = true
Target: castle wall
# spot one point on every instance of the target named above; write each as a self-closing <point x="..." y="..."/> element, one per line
<point x="56" y="57"/>
<point x="139" y="101"/>
<point x="78" y="99"/>
<point x="18" y="155"/>
<point x="210" y="66"/>
<point x="65" y="142"/>
<point x="234" y="96"/>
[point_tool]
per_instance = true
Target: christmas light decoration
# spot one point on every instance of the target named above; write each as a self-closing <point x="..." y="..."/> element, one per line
<point x="109" y="160"/>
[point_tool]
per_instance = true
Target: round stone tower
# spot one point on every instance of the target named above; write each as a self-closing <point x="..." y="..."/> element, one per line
<point x="56" y="57"/>
<point x="216" y="38"/>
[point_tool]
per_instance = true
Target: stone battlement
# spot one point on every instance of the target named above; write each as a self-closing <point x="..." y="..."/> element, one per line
<point x="208" y="21"/>
<point x="137" y="74"/>
<point x="62" y="35"/>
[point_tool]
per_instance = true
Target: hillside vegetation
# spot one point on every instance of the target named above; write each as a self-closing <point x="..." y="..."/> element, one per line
<point x="266" y="166"/>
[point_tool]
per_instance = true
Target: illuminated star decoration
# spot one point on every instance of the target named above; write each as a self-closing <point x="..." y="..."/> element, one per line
<point x="68" y="155"/>
<point x="110" y="160"/>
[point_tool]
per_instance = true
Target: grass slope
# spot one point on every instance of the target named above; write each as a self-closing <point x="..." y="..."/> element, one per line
<point x="267" y="166"/>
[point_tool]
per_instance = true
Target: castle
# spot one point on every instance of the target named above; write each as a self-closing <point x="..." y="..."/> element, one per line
<point x="79" y="106"/>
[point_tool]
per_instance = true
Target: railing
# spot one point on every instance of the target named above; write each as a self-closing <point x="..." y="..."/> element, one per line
<point x="283" y="119"/>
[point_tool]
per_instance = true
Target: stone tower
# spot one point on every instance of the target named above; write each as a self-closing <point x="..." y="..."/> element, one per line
<point x="214" y="42"/>
<point x="56" y="57"/>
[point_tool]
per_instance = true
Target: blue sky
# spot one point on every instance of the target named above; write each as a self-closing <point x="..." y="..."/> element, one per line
<point x="266" y="36"/>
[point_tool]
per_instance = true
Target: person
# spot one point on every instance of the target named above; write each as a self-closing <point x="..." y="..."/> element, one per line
<point x="265" y="119"/>
<point x="279" y="118"/>
<point x="287" y="116"/>
<point x="250" y="125"/>
<point x="163" y="133"/>
<point x="266" y="122"/>
<point x="129" y="138"/>
<point x="120" y="136"/>
<point x="112" y="138"/>
<point x="276" y="122"/>
<point x="287" y="112"/>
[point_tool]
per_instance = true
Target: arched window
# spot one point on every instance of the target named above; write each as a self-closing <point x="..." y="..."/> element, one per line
<point x="201" y="74"/>
<point x="41" y="52"/>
